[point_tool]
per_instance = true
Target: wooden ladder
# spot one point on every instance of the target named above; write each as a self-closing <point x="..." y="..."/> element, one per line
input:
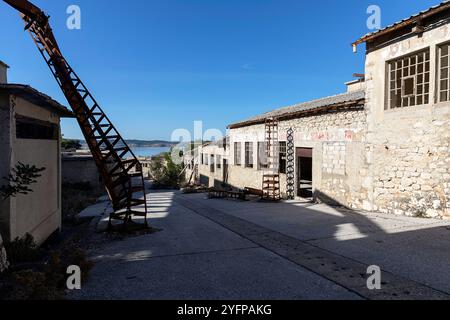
<point x="271" y="174"/>
<point x="118" y="166"/>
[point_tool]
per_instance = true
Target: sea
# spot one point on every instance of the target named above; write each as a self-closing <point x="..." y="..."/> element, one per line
<point x="149" y="151"/>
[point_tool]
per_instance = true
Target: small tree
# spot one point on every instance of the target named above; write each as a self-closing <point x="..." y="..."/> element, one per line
<point x="70" y="144"/>
<point x="165" y="173"/>
<point x="18" y="182"/>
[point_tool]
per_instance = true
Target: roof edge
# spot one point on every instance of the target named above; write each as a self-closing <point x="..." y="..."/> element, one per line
<point x="445" y="5"/>
<point x="3" y="64"/>
<point x="45" y="101"/>
<point x="248" y="123"/>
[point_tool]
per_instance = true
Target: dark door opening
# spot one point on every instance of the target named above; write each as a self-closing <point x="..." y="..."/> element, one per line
<point x="304" y="173"/>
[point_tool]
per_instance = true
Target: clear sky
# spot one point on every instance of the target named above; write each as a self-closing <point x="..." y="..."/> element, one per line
<point x="158" y="65"/>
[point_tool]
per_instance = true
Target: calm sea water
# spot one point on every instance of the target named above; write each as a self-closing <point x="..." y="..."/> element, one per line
<point x="148" y="151"/>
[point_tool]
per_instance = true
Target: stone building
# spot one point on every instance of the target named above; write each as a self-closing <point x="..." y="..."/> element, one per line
<point x="30" y="133"/>
<point x="381" y="146"/>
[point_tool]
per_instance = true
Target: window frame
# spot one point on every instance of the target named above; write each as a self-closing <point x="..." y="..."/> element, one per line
<point x="27" y="128"/>
<point x="212" y="164"/>
<point x="219" y="162"/>
<point x="414" y="93"/>
<point x="262" y="155"/>
<point x="237" y="153"/>
<point x="424" y="98"/>
<point x="438" y="73"/>
<point x="248" y="152"/>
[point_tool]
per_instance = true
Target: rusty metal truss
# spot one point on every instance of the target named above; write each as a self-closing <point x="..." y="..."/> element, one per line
<point x="119" y="168"/>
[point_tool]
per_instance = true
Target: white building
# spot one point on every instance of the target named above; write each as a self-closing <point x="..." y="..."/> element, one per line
<point x="30" y="134"/>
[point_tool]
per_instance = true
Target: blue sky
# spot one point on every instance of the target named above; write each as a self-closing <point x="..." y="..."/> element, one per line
<point x="155" y="66"/>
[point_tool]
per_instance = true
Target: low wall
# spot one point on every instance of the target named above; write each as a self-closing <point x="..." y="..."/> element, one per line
<point x="80" y="169"/>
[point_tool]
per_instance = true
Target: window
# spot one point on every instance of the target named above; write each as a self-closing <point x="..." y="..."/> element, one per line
<point x="206" y="159"/>
<point x="237" y="153"/>
<point x="249" y="154"/>
<point x="211" y="164"/>
<point x="202" y="159"/>
<point x="29" y="128"/>
<point x="219" y="162"/>
<point x="262" y="158"/>
<point x="409" y="80"/>
<point x="443" y="73"/>
<point x="283" y="156"/>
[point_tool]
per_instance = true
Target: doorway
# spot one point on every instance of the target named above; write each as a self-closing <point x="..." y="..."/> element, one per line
<point x="304" y="173"/>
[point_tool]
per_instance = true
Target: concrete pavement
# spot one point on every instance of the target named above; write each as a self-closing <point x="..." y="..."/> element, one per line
<point x="194" y="258"/>
<point x="222" y="249"/>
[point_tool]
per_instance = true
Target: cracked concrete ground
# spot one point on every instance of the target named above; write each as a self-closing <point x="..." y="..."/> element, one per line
<point x="222" y="249"/>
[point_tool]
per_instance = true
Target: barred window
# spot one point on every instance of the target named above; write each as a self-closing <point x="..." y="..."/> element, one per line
<point x="29" y="128"/>
<point x="283" y="156"/>
<point x="237" y="153"/>
<point x="262" y="157"/>
<point x="409" y="80"/>
<point x="444" y="79"/>
<point x="249" y="155"/>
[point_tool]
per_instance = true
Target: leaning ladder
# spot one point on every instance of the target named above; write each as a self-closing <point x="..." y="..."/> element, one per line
<point x="271" y="174"/>
<point x="120" y="169"/>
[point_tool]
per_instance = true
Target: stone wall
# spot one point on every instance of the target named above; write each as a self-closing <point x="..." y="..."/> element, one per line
<point x="409" y="161"/>
<point x="80" y="169"/>
<point x="394" y="161"/>
<point x="337" y="139"/>
<point x="207" y="177"/>
<point x="411" y="172"/>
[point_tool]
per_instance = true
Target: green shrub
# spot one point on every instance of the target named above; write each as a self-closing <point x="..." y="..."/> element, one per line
<point x="76" y="197"/>
<point x="70" y="144"/>
<point x="32" y="285"/>
<point x="165" y="173"/>
<point x="23" y="250"/>
<point x="60" y="260"/>
<point x="46" y="281"/>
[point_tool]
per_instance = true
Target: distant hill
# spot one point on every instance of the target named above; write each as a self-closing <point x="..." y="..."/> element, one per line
<point x="146" y="143"/>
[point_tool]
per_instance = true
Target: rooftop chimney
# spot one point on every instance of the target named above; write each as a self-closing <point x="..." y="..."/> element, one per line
<point x="3" y="72"/>
<point x="357" y="84"/>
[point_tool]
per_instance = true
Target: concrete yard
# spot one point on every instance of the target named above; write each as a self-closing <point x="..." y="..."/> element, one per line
<point x="225" y="249"/>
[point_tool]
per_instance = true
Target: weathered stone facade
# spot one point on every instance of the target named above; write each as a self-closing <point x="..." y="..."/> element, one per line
<point x="336" y="137"/>
<point x="409" y="147"/>
<point x="371" y="156"/>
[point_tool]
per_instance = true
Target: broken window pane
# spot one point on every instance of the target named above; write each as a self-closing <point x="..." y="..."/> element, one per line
<point x="408" y="86"/>
<point x="410" y="80"/>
